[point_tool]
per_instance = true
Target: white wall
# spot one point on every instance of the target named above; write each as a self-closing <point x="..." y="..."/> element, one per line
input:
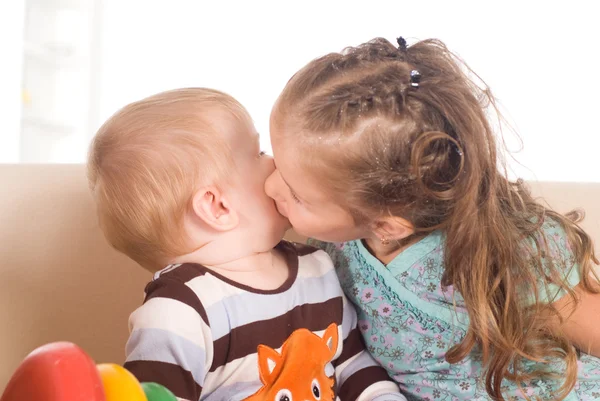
<point x="12" y="14"/>
<point x="540" y="58"/>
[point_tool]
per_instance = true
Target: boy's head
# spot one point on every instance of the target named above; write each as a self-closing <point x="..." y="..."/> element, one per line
<point x="178" y="171"/>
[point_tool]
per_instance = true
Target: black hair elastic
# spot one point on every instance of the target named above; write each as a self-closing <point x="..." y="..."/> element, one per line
<point x="415" y="75"/>
<point x="415" y="78"/>
<point x="401" y="44"/>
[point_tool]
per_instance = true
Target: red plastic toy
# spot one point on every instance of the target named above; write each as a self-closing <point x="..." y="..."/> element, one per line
<point x="55" y="372"/>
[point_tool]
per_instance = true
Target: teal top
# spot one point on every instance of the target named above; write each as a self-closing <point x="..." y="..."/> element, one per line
<point x="409" y="321"/>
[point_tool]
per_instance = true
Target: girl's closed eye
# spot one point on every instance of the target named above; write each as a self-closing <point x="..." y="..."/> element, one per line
<point x="294" y="196"/>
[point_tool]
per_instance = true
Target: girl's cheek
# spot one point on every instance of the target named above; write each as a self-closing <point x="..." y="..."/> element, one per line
<point x="293" y="214"/>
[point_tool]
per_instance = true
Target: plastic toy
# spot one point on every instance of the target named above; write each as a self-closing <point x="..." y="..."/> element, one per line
<point x="119" y="384"/>
<point x="64" y="372"/>
<point x="156" y="392"/>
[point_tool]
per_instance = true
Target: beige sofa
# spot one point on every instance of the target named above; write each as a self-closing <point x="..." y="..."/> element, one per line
<point x="59" y="280"/>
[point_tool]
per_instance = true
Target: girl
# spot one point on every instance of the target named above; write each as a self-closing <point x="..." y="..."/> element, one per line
<point x="467" y="287"/>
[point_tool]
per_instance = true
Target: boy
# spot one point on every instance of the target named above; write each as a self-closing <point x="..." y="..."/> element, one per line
<point x="178" y="179"/>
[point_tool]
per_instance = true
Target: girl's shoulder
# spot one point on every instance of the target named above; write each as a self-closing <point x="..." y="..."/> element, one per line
<point x="427" y="250"/>
<point x="550" y="245"/>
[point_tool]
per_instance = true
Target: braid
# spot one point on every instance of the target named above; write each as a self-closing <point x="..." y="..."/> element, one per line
<point x="382" y="90"/>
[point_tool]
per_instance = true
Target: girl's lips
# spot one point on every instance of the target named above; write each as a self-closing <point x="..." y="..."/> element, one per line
<point x="280" y="210"/>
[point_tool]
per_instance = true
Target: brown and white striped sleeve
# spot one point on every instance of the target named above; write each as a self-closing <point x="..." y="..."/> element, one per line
<point x="170" y="341"/>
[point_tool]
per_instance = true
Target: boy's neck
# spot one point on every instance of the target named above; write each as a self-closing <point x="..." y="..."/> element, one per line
<point x="235" y="256"/>
<point x="224" y="252"/>
<point x="241" y="262"/>
<point x="260" y="270"/>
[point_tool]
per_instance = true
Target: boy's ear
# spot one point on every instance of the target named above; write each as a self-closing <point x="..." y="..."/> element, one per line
<point x="212" y="207"/>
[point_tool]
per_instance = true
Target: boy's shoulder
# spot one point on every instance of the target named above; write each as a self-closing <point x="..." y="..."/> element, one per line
<point x="172" y="282"/>
<point x="169" y="290"/>
<point x="310" y="260"/>
<point x="178" y="274"/>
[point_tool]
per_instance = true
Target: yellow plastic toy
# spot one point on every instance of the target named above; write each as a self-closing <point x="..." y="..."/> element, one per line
<point x="119" y="384"/>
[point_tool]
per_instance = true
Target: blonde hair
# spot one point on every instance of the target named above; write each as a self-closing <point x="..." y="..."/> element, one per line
<point x="429" y="154"/>
<point x="146" y="162"/>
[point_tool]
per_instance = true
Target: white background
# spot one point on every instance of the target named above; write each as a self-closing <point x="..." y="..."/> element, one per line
<point x="540" y="59"/>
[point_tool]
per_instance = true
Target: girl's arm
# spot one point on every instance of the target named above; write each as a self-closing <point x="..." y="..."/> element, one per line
<point x="581" y="322"/>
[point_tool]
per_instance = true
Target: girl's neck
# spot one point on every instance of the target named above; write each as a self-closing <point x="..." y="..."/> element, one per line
<point x="385" y="253"/>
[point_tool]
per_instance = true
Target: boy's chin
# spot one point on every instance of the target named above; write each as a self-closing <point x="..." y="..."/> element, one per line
<point x="279" y="231"/>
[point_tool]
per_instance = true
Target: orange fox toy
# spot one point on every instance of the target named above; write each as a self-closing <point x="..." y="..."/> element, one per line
<point x="300" y="372"/>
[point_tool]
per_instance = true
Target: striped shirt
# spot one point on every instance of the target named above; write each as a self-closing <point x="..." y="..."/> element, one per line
<point x="206" y="337"/>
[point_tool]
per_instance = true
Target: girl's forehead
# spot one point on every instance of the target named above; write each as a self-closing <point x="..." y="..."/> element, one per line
<point x="298" y="175"/>
<point x="287" y="152"/>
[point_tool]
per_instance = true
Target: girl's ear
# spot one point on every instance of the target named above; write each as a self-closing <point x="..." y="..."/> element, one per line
<point x="213" y="208"/>
<point x="393" y="228"/>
